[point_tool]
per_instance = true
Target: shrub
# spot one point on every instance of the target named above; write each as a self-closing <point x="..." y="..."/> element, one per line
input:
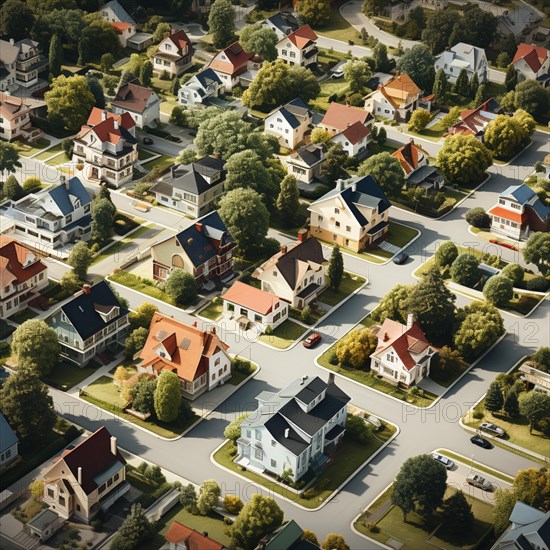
<point x="446" y="254"/>
<point x="498" y="290"/>
<point x="228" y="521"/>
<point x="306" y="315"/>
<point x="477" y="217"/>
<point x="538" y="284"/>
<point x="358" y="429"/>
<point x="32" y="184"/>
<point x="465" y="270"/>
<point x="233" y="504"/>
<point x="333" y="359"/>
<point x="414" y="391"/>
<point x="478" y="414"/>
<point x="514" y="272"/>
<point x="242" y="365"/>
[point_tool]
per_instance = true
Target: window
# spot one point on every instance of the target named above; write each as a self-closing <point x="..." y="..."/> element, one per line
<point x="320" y="218"/>
<point x="337" y="224"/>
<point x="273" y="463"/>
<point x="258" y="435"/>
<point x="102" y="488"/>
<point x="337" y="211"/>
<point x="117" y="477"/>
<point x="51" y="493"/>
<point x="213" y="376"/>
<point x="348" y="228"/>
<point x="248" y="434"/>
<point x="217" y="362"/>
<point x="62" y="501"/>
<point x="273" y="443"/>
<point x="258" y="454"/>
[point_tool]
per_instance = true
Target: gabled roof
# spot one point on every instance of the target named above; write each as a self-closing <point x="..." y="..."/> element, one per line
<point x="188" y="347"/>
<point x="84" y="310"/>
<point x="399" y="89"/>
<point x="518" y="217"/>
<point x="61" y="195"/>
<point x="236" y="58"/>
<point x="119" y="11"/>
<point x="11" y="106"/>
<point x="343" y="116"/>
<point x="302" y="37"/>
<point x="310" y="154"/>
<point x="8" y="52"/>
<point x="356" y="132"/>
<point x="285" y="22"/>
<point x="193" y="540"/>
<point x="293" y="112"/>
<point x="17" y="263"/>
<point x="180" y="40"/>
<point x="474" y="121"/>
<point x="206" y="77"/>
<point x="409" y="156"/>
<point x="534" y="56"/>
<point x="525" y="196"/>
<point x="132" y="97"/>
<point x="94" y="456"/>
<point x="8" y="438"/>
<point x="463" y="56"/>
<point x="252" y="298"/>
<point x="109" y="127"/>
<point x="284" y="537"/>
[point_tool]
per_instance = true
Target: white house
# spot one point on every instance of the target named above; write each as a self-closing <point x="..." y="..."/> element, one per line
<point x="141" y="103"/>
<point x="234" y="66"/>
<point x="248" y="305"/>
<point x="15" y="119"/>
<point x="299" y="47"/>
<point x="532" y="63"/>
<point x="403" y="354"/>
<point x="289" y="123"/>
<point x="30" y="62"/>
<point x="120" y="19"/>
<point x="416" y="166"/>
<point x="9" y="443"/>
<point x="306" y="162"/>
<point x="296" y="273"/>
<point x="174" y="54"/>
<point x="200" y="88"/>
<point x="8" y="58"/>
<point x="463" y="56"/>
<point x="297" y="429"/>
<point x="354" y="139"/>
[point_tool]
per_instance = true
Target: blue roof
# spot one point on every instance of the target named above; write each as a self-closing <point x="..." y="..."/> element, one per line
<point x="62" y="193"/>
<point x="523" y="194"/>
<point x="7" y="435"/>
<point x="207" y="74"/>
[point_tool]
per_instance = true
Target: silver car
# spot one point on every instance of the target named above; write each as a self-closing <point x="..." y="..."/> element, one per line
<point x="492" y="429"/>
<point x="480" y="482"/>
<point x="447" y="462"/>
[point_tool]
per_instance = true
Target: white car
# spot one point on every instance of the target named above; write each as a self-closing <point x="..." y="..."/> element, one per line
<point x="492" y="429"/>
<point x="338" y="74"/>
<point x="447" y="462"/>
<point x="480" y="482"/>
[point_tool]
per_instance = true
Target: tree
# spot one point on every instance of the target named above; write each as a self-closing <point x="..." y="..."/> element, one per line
<point x="107" y="62"/>
<point x="32" y="184"/>
<point x="162" y="30"/>
<point x="505" y="500"/>
<point x="504" y="137"/>
<point x="221" y="23"/>
<point x="224" y="134"/>
<point x="381" y="60"/>
<point x="387" y="172"/>
<point x="121" y="375"/>
<point x="446" y="254"/>
<point x="355" y="348"/>
<point x="358" y="429"/>
<point x="498" y="290"/>
<point x="233" y="504"/>
<point x="181" y="286"/>
<point x="465" y="270"/>
<point x="532" y="97"/>
<point x="27" y="406"/>
<point x="334" y="542"/>
<point x="16" y="19"/>
<point x="9" y="158"/>
<point x="511" y="404"/>
<point x="135" y="341"/>
<point x="143" y="315"/>
<point x="80" y="258"/>
<point x="69" y="102"/>
<point x="419" y="120"/>
<point x="288" y="201"/>
<point x="394" y="305"/>
<point x="167" y="396"/>
<point x="372" y="7"/>
<point x="144" y="395"/>
<point x="260" y="39"/>
<point x="457" y="512"/>
<point x="316" y="13"/>
<point x="537" y="251"/>
<point x="531" y="486"/>
<point x="209" y="496"/>
<point x="542" y="358"/>
<point x="511" y="78"/>
<point x="134" y="531"/>
<point x="440" y="87"/>
<point x="35" y="345"/>
<point x="320" y="135"/>
<point x="439" y="27"/>
<point x="70" y="282"/>
<point x="245" y="216"/>
<point x="97" y="91"/>
<point x="55" y="56"/>
<point x="477" y="217"/>
<point x="310" y="536"/>
<point x="432" y="304"/>
<point x="473" y="86"/>
<point x="146" y="74"/>
<point x="461" y="86"/>
<point x="233" y="429"/>
<point x="420" y="484"/>
<point x="97" y="37"/>
<point x="11" y="189"/>
<point x="335" y="268"/>
<point x="480" y="95"/>
<point x="418" y="63"/>
<point x="493" y="398"/>
<point x="188" y="497"/>
<point x="357" y="73"/>
<point x="535" y="406"/>
<point x="450" y="118"/>
<point x="259" y="517"/>
<point x="334" y="162"/>
<point x="463" y="160"/>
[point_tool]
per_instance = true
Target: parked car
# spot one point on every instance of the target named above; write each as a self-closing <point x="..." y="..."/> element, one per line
<point x="338" y="74"/>
<point x="481" y="442"/>
<point x="480" y="482"/>
<point x="400" y="258"/>
<point x="492" y="429"/>
<point x="312" y="340"/>
<point x="147" y="141"/>
<point x="447" y="462"/>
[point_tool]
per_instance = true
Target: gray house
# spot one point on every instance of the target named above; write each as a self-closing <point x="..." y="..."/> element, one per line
<point x="9" y="443"/>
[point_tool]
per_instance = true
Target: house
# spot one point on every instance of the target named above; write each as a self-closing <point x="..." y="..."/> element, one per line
<point x="29" y="64"/>
<point x="8" y="58"/>
<point x="204" y="249"/>
<point x="198" y="357"/>
<point x="55" y="217"/>
<point x="181" y="537"/>
<point x="532" y="63"/>
<point x="354" y="139"/>
<point x="22" y="276"/>
<point x="15" y="119"/>
<point x="306" y="163"/>
<point x="90" y="322"/>
<point x="174" y="54"/>
<point x="416" y="166"/>
<point x="395" y="100"/>
<point x="529" y="529"/>
<point x="106" y="146"/>
<point x="354" y="215"/>
<point x="403" y="354"/>
<point x="283" y="23"/>
<point x="341" y="117"/>
<point x="286" y="537"/>
<point x="248" y="305"/>
<point x="125" y="26"/>
<point x="297" y="429"/>
<point x="534" y="377"/>
<point x="289" y="123"/>
<point x="519" y="22"/>
<point x="9" y="443"/>
<point x="200" y="88"/>
<point x="191" y="189"/>
<point x="87" y="478"/>
<point x="234" y="66"/>
<point x="296" y="273"/>
<point x="518" y="212"/>
<point x="141" y="103"/>
<point x="474" y="121"/>
<point x="299" y="47"/>
<point x="463" y="56"/>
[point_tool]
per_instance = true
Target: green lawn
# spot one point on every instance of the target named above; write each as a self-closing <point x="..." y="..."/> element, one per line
<point x="419" y="532"/>
<point x="129" y="366"/>
<point x="400" y="235"/>
<point x="50" y="152"/>
<point x="104" y="394"/>
<point x="329" y="87"/>
<point x="144" y="154"/>
<point x="481" y="467"/>
<point x="349" y="284"/>
<point x="337" y="27"/>
<point x="434" y="133"/>
<point x="167" y="106"/>
<point x="27" y="149"/>
<point x="238" y="376"/>
<point x="284" y="335"/>
<point x="60" y="158"/>
<point x="23" y="316"/>
<point x="523" y="303"/>
<point x="346" y="462"/>
<point x="118" y="246"/>
<point x="146" y="286"/>
<point x="162" y="162"/>
<point x="65" y="375"/>
<point x="54" y="292"/>
<point x="212" y="311"/>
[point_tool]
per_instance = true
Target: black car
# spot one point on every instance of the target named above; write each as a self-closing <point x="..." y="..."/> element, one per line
<point x="147" y="141"/>
<point x="481" y="442"/>
<point x="400" y="258"/>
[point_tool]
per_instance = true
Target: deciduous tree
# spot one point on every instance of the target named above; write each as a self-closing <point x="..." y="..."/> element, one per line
<point x="221" y="23"/>
<point x="542" y="358"/>
<point x="142" y="315"/>
<point x="16" y="19"/>
<point x="288" y="200"/>
<point x="11" y="189"/>
<point x="394" y="305"/>
<point x="209" y="496"/>
<point x="419" y="120"/>
<point x="9" y="158"/>
<point x="532" y="97"/>
<point x="316" y="13"/>
<point x="446" y="254"/>
<point x="181" y="286"/>
<point x="134" y="531"/>
<point x="80" y="258"/>
<point x="355" y="348"/>
<point x="537" y="251"/>
<point x="357" y="73"/>
<point x="334" y="541"/>
<point x="511" y="78"/>
<point x="135" y="341"/>
<point x="477" y="217"/>
<point x="167" y="396"/>
<point x="103" y="218"/>
<point x="531" y="486"/>
<point x="387" y="172"/>
<point x="144" y="395"/>
<point x="261" y="40"/>
<point x="233" y="429"/>
<point x="418" y="63"/>
<point x="535" y="407"/>
<point x="333" y="167"/>
<point x="465" y="270"/>
<point x="35" y="345"/>
<point x="511" y="404"/>
<point x="498" y="290"/>
<point x="188" y="497"/>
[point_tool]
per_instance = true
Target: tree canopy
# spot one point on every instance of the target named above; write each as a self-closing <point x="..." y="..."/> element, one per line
<point x="386" y="170"/>
<point x="181" y="286"/>
<point x="316" y="13"/>
<point x="355" y="348"/>
<point x="418" y="63"/>
<point x="35" y="345"/>
<point x="167" y="396"/>
<point x="259" y="39"/>
<point x="537" y="251"/>
<point x="221" y="23"/>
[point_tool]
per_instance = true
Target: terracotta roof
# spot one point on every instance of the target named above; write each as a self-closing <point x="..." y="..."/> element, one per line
<point x="400" y="89"/>
<point x="409" y="156"/>
<point x="251" y="298"/>
<point x="120" y="27"/>
<point x="236" y="58"/>
<point x="178" y="533"/>
<point x="342" y="116"/>
<point x="13" y="256"/>
<point x="189" y="348"/>
<point x="94" y="456"/>
<point x="356" y="132"/>
<point x="107" y="126"/>
<point x="179" y="39"/>
<point x="133" y="97"/>
<point x="302" y="37"/>
<point x="533" y="56"/>
<point x="402" y="340"/>
<point x="507" y="214"/>
<point x="11" y="106"/>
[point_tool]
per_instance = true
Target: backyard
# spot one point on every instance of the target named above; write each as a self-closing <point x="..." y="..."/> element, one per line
<point x="329" y="87"/>
<point x="213" y="310"/>
<point x="162" y="162"/>
<point x="284" y="335"/>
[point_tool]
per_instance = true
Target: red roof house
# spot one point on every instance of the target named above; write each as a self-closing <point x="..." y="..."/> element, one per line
<point x="532" y="62"/>
<point x="181" y="537"/>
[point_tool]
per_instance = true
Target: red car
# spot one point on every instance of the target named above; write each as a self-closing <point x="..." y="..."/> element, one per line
<point x="312" y="340"/>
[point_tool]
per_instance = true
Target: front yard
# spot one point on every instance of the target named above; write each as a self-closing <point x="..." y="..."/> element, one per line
<point x="213" y="310"/>
<point x="46" y="154"/>
<point x="284" y="335"/>
<point x="350" y="283"/>
<point x="162" y="162"/>
<point x="139" y="284"/>
<point x="28" y="149"/>
<point x="329" y="87"/>
<point x="118" y="246"/>
<point x="23" y="315"/>
<point x="65" y="375"/>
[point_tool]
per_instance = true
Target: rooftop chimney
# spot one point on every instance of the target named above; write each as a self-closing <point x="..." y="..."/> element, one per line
<point x="340" y="184"/>
<point x="410" y="320"/>
<point x="198" y="226"/>
<point x="217" y="155"/>
<point x="302" y="234"/>
<point x="283" y="249"/>
<point x="12" y="41"/>
<point x="79" y="475"/>
<point x="302" y="381"/>
<point x="86" y="289"/>
<point x="113" y="445"/>
<point x="331" y="378"/>
<point x="115" y="123"/>
<point x="173" y="169"/>
<point x="63" y="179"/>
<point x="287" y="432"/>
<point x="194" y="323"/>
<point x="103" y="115"/>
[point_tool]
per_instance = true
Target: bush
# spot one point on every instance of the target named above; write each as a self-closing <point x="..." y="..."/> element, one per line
<point x="446" y="254"/>
<point x="333" y="359"/>
<point x="514" y="272"/>
<point x="465" y="270"/>
<point x="228" y="521"/>
<point x="478" y="414"/>
<point x="242" y="365"/>
<point x="306" y="315"/>
<point x="32" y="184"/>
<point x="498" y="290"/>
<point x="72" y="433"/>
<point x="538" y="284"/>
<point x="477" y="217"/>
<point x="233" y="504"/>
<point x="358" y="429"/>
